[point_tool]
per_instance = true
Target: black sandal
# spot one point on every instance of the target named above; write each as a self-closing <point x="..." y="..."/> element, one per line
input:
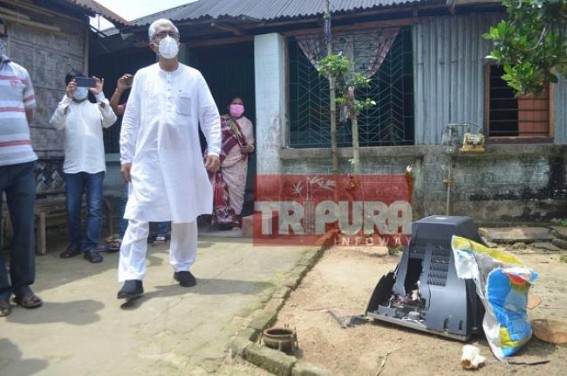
<point x="28" y="301"/>
<point x="5" y="308"/>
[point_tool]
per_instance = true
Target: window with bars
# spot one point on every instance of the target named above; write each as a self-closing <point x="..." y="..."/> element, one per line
<point x="390" y="122"/>
<point x="525" y="116"/>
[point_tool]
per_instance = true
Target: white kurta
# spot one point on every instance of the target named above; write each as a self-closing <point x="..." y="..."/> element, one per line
<point x="160" y="137"/>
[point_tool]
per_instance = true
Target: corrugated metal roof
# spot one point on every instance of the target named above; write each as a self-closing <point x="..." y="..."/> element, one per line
<point x="268" y="10"/>
<point x="97" y="8"/>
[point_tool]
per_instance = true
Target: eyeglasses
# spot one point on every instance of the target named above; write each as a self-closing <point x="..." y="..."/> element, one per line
<point x="163" y="34"/>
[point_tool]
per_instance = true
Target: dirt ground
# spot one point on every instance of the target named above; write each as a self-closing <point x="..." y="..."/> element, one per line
<point x="343" y="281"/>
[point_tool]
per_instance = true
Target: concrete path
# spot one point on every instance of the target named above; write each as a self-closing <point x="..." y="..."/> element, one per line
<point x="82" y="329"/>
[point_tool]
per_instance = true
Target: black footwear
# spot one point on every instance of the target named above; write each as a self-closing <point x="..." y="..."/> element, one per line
<point x="5" y="308"/>
<point x="71" y="251"/>
<point x="93" y="256"/>
<point x="132" y="288"/>
<point x="185" y="279"/>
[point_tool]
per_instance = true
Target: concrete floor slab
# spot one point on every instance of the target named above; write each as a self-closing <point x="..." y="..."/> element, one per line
<point x="82" y="329"/>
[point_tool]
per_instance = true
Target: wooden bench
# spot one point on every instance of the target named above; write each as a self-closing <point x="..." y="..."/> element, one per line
<point x="50" y="211"/>
<point x="50" y="208"/>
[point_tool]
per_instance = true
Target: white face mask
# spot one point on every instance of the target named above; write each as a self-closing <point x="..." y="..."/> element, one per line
<point x="168" y="48"/>
<point x="80" y="93"/>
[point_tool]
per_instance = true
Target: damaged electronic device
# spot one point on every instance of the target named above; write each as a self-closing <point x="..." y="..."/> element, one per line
<point x="424" y="292"/>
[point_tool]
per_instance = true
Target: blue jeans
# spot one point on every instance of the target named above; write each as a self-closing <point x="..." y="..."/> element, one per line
<point x="162" y="229"/>
<point x="76" y="185"/>
<point x="18" y="182"/>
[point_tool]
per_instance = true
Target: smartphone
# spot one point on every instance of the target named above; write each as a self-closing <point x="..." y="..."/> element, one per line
<point x="85" y="82"/>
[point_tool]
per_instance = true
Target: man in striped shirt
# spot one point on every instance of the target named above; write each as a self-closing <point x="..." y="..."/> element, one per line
<point x="17" y="180"/>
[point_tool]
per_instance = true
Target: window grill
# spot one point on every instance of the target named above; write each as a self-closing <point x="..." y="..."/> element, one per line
<point x="390" y="122"/>
<point x="516" y="116"/>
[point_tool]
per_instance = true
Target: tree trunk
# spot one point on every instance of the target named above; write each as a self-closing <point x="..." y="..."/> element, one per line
<point x="334" y="149"/>
<point x="355" y="145"/>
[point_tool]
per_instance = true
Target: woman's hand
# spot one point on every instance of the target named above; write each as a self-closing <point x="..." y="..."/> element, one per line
<point x="247" y="148"/>
<point x="124" y="82"/>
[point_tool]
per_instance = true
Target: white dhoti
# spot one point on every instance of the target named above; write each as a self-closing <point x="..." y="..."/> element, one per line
<point x="182" y="252"/>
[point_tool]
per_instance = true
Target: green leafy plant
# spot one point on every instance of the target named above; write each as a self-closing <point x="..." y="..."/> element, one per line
<point x="347" y="81"/>
<point x="530" y="44"/>
<point x="394" y="251"/>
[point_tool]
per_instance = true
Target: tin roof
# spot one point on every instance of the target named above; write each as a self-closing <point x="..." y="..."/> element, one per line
<point x="97" y="8"/>
<point x="270" y="10"/>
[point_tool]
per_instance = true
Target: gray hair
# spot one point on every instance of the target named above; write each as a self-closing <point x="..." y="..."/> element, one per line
<point x="156" y="23"/>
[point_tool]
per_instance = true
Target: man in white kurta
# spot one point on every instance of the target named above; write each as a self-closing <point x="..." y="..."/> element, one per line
<point x="161" y="157"/>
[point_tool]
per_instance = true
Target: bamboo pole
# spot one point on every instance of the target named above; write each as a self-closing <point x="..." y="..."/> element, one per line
<point x="332" y="94"/>
<point x="14" y="13"/>
<point x="31" y="23"/>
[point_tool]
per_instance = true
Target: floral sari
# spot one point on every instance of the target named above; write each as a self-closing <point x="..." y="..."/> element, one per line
<point x="229" y="182"/>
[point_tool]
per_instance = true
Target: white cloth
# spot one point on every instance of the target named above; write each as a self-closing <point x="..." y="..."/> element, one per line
<point x="83" y="123"/>
<point x="160" y="137"/>
<point x="182" y="253"/>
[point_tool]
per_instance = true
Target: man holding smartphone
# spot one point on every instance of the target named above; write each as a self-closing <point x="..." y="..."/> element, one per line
<point x="84" y="165"/>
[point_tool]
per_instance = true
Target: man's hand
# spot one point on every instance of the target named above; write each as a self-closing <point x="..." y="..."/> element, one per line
<point x="99" y="83"/>
<point x="125" y="170"/>
<point x="70" y="89"/>
<point x="212" y="163"/>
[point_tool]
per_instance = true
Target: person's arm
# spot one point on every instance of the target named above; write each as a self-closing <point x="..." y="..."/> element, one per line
<point x="122" y="84"/>
<point x="115" y="102"/>
<point x="29" y="98"/>
<point x="248" y="130"/>
<point x="60" y="114"/>
<point x="129" y="129"/>
<point x="209" y="118"/>
<point x="108" y="117"/>
<point x="29" y="115"/>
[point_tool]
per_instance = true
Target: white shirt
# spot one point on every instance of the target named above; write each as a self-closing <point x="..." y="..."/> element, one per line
<point x="160" y="137"/>
<point x="83" y="123"/>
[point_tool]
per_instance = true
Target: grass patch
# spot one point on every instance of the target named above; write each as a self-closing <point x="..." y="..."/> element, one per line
<point x="393" y="251"/>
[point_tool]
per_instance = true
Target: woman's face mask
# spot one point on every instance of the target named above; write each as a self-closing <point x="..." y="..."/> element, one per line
<point x="168" y="48"/>
<point x="80" y="93"/>
<point x="236" y="110"/>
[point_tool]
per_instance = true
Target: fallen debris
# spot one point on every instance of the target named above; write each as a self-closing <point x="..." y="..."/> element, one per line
<point x="528" y="360"/>
<point x="347" y="321"/>
<point x="471" y="358"/>
<point x="344" y="322"/>
<point x="381" y="367"/>
<point x="533" y="301"/>
<point x="552" y="331"/>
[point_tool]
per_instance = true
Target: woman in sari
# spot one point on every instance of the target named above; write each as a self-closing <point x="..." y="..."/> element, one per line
<point x="230" y="181"/>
